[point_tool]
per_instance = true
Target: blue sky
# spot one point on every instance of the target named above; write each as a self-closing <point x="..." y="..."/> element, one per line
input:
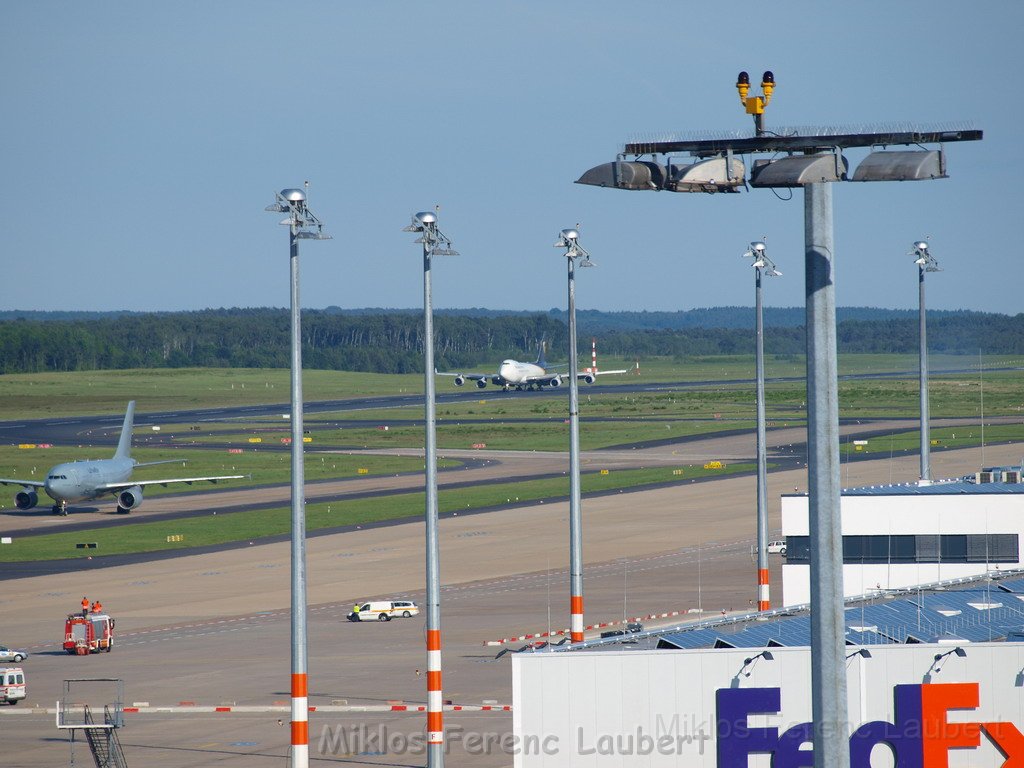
<point x="143" y="141"/>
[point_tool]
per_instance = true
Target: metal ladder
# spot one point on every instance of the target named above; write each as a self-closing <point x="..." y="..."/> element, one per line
<point x="103" y="741"/>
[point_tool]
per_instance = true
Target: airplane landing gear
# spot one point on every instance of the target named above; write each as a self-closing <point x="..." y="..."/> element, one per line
<point x="60" y="508"/>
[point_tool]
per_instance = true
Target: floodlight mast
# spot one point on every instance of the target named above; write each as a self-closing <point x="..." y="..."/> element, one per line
<point x="762" y="265"/>
<point x="569" y="239"/>
<point x="434" y="244"/>
<point x="820" y="163"/>
<point x="925" y="263"/>
<point x="301" y="223"/>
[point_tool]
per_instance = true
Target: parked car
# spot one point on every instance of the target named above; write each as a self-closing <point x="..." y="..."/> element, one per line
<point x="631" y="628"/>
<point x="383" y="610"/>
<point x="9" y="654"/>
<point x="777" y="547"/>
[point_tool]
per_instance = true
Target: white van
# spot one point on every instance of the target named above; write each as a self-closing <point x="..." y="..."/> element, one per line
<point x="12" y="684"/>
<point x="383" y="610"/>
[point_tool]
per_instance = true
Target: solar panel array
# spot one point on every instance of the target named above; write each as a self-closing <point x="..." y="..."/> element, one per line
<point x="973" y="615"/>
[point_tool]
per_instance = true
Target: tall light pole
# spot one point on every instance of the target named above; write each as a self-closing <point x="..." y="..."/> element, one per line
<point x="811" y="160"/>
<point x="302" y="225"/>
<point x="925" y="263"/>
<point x="762" y="265"/>
<point x="568" y="239"/>
<point x="434" y="244"/>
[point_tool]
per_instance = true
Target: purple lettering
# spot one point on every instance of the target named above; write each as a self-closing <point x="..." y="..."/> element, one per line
<point x="735" y="738"/>
<point x="788" y="753"/>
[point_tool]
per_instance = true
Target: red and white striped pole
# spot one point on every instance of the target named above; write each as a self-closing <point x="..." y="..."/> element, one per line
<point x="300" y="720"/>
<point x="763" y="601"/>
<point x="593" y="356"/>
<point x="435" y="709"/>
<point x="576" y="618"/>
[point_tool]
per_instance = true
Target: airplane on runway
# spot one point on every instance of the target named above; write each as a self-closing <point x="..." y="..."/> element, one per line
<point x="87" y="480"/>
<point x="513" y="374"/>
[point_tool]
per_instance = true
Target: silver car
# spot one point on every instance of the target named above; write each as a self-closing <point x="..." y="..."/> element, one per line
<point x="9" y="654"/>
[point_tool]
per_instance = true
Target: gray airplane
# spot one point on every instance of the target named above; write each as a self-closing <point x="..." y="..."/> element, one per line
<point x="87" y="480"/>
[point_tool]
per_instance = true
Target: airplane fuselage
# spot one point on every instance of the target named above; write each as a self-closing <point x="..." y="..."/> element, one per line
<point x="77" y="481"/>
<point x="514" y="373"/>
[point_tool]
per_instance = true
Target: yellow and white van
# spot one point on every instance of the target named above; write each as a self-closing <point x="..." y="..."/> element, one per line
<point x="383" y="610"/>
<point x="12" y="684"/>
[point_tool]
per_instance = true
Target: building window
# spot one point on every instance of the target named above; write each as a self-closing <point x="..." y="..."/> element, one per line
<point x="920" y="548"/>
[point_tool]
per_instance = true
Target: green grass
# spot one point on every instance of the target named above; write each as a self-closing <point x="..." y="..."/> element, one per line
<point x="265" y="467"/>
<point x="126" y="537"/>
<point x="513" y="435"/>
<point x="37" y="395"/>
<point x="107" y="392"/>
<point x="941" y="438"/>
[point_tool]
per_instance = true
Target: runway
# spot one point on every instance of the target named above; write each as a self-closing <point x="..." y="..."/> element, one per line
<point x="213" y="628"/>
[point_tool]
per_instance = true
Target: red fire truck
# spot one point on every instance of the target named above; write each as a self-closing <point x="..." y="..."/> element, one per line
<point x="88" y="633"/>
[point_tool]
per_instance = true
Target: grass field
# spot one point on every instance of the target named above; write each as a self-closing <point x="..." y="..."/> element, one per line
<point x="941" y="438"/>
<point x="107" y="392"/>
<point x="260" y="466"/>
<point x="536" y="421"/>
<point x="128" y="537"/>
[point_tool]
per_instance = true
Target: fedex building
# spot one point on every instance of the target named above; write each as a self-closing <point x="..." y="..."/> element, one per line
<point x="899" y="536"/>
<point x="910" y="705"/>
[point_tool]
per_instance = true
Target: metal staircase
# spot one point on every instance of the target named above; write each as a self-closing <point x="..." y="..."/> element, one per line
<point x="74" y="714"/>
<point x="103" y="741"/>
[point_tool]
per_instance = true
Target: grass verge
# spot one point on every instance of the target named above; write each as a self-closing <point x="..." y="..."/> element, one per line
<point x="212" y="529"/>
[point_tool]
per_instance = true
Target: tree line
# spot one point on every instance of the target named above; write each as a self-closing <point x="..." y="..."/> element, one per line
<point x="392" y="342"/>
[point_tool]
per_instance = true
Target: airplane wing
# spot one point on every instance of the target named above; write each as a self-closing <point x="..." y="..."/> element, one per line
<point x="546" y="378"/>
<point x="636" y="367"/>
<point x="116" y="487"/>
<point x="25" y="483"/>
<point x="470" y="376"/>
<point x="480" y="379"/>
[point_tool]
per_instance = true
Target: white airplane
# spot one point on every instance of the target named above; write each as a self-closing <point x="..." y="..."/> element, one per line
<point x="513" y="374"/>
<point x="87" y="480"/>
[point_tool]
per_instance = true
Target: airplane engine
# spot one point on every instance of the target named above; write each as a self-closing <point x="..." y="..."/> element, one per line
<point x="481" y="383"/>
<point x="26" y="499"/>
<point x="556" y="382"/>
<point x="589" y="378"/>
<point x="129" y="498"/>
<point x="460" y="380"/>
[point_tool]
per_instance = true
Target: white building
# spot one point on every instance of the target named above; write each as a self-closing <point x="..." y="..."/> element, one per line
<point x="752" y="707"/>
<point x="904" y="535"/>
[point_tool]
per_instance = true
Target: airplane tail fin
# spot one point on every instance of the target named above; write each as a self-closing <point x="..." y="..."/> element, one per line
<point x="124" y="444"/>
<point x="541" y="349"/>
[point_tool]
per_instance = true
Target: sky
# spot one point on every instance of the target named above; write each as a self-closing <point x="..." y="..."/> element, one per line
<point x="142" y="142"/>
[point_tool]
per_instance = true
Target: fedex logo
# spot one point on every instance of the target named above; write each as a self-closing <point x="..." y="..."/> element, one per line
<point x="920" y="737"/>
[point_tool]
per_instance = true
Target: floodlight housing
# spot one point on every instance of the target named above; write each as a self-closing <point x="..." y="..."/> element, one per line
<point x="717" y="174"/>
<point x="622" y="174"/>
<point x="902" y="165"/>
<point x="799" y="170"/>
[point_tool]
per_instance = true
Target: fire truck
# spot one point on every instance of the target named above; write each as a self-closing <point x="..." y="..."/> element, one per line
<point x="88" y="633"/>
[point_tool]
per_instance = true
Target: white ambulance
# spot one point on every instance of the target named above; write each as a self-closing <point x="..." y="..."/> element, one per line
<point x="12" y="684"/>
<point x="383" y="610"/>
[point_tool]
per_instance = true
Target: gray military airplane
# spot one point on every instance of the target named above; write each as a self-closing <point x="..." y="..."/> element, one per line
<point x="87" y="480"/>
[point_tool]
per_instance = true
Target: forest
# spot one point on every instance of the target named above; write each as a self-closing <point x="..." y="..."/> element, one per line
<point x="391" y="341"/>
